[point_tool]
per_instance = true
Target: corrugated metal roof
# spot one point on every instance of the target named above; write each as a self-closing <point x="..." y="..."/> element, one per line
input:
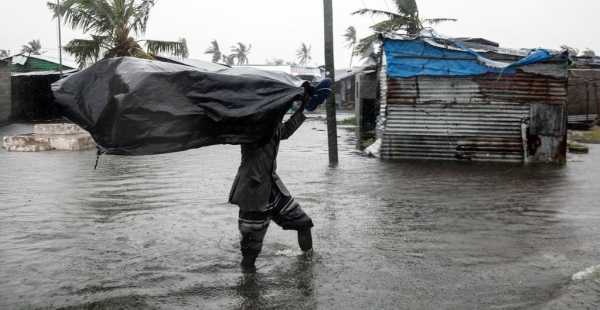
<point x="341" y="74"/>
<point x="26" y="62"/>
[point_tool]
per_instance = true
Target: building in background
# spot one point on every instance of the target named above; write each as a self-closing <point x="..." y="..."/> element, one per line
<point x="31" y="77"/>
<point x="5" y="100"/>
<point x="469" y="99"/>
<point x="584" y="92"/>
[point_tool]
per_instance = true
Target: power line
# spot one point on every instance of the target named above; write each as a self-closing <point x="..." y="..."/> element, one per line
<point x="363" y="2"/>
<point x="386" y="4"/>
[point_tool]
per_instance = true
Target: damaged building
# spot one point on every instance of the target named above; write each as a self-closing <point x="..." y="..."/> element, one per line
<point x="469" y="99"/>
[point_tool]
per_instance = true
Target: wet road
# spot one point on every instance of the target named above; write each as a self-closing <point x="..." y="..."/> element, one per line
<point x="156" y="232"/>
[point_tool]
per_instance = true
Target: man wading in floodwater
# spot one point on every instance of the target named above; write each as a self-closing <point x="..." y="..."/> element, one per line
<point x="261" y="195"/>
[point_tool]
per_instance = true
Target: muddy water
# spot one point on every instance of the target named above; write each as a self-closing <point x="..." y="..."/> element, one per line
<point x="156" y="232"/>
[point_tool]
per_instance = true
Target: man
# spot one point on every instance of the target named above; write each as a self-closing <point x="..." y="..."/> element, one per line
<point x="262" y="196"/>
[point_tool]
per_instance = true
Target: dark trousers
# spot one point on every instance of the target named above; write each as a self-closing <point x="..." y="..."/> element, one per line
<point x="253" y="225"/>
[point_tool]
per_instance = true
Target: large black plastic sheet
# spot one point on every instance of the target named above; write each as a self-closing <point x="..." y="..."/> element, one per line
<point x="133" y="106"/>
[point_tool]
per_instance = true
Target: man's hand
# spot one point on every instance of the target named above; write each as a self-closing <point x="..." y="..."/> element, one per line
<point x="305" y="101"/>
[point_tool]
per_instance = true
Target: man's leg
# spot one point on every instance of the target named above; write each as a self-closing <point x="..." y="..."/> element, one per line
<point x="288" y="214"/>
<point x="253" y="228"/>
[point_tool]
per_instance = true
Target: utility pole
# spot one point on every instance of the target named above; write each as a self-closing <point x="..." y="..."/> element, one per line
<point x="59" y="42"/>
<point x="330" y="73"/>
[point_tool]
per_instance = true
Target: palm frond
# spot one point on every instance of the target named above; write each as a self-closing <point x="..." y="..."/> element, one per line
<point x="85" y="50"/>
<point x="115" y="20"/>
<point x="140" y="53"/>
<point x="588" y="53"/>
<point x="436" y="21"/>
<point x="303" y="54"/>
<point x="86" y="15"/>
<point x="241" y="52"/>
<point x="407" y="7"/>
<point x="169" y="47"/>
<point x="229" y="59"/>
<point x="214" y="50"/>
<point x="366" y="44"/>
<point x="392" y="25"/>
<point x="142" y="13"/>
<point x="377" y="12"/>
<point x="571" y="50"/>
<point x="350" y="37"/>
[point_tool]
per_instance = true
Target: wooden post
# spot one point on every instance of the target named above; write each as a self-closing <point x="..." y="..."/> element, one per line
<point x="330" y="73"/>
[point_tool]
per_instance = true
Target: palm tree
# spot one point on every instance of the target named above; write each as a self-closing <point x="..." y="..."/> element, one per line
<point x="573" y="52"/>
<point x="214" y="50"/>
<point x="274" y="62"/>
<point x="350" y="36"/>
<point x="4" y="53"/>
<point x="229" y="59"/>
<point x="303" y="54"/>
<point x="588" y="53"/>
<point x="406" y="18"/>
<point x="34" y="47"/>
<point x="241" y="52"/>
<point x="110" y="24"/>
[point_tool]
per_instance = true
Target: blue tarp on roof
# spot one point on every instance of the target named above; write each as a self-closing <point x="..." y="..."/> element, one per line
<point x="408" y="58"/>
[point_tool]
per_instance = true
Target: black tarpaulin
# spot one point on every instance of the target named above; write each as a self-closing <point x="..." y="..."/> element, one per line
<point x="140" y="107"/>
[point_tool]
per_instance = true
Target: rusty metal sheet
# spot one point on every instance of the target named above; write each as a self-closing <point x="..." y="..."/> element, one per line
<point x="465" y="118"/>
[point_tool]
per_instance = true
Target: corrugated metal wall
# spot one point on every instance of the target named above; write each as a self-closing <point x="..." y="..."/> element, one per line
<point x="465" y="118"/>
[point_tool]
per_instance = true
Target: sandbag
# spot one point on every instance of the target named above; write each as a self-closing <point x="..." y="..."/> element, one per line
<point x="133" y="106"/>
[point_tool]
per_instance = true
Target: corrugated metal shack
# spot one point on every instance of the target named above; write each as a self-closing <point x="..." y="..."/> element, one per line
<point x="584" y="92"/>
<point x="31" y="77"/>
<point x="466" y="99"/>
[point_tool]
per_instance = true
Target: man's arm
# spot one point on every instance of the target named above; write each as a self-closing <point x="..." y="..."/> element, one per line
<point x="292" y="124"/>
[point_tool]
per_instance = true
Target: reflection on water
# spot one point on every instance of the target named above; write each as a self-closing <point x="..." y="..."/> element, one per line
<point x="291" y="287"/>
<point x="156" y="232"/>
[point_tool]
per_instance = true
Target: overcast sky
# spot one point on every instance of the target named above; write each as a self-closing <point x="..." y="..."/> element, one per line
<point x="276" y="28"/>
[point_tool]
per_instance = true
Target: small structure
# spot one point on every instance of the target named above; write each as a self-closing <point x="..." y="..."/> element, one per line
<point x="30" y="92"/>
<point x="5" y="99"/>
<point x="345" y="87"/>
<point x="48" y="137"/>
<point x="584" y="92"/>
<point x="468" y="99"/>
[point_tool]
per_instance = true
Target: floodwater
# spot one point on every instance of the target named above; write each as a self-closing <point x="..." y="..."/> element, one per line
<point x="156" y="232"/>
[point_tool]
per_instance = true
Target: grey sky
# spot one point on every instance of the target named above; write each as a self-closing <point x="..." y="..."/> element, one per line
<point x="276" y="28"/>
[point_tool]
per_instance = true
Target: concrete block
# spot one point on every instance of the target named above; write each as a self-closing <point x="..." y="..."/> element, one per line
<point x="25" y="143"/>
<point x="36" y="143"/>
<point x="51" y="137"/>
<point x="57" y="129"/>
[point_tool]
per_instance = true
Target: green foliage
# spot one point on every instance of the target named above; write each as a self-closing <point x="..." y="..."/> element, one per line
<point x="168" y="47"/>
<point x="229" y="59"/>
<point x="348" y="122"/>
<point x="241" y="52"/>
<point x="111" y="24"/>
<point x="406" y="18"/>
<point x="275" y="62"/>
<point x="366" y="143"/>
<point x="303" y="54"/>
<point x="588" y="53"/>
<point x="4" y="53"/>
<point x="571" y="50"/>
<point x="592" y="134"/>
<point x="214" y="50"/>
<point x="350" y="38"/>
<point x="33" y="47"/>
<point x="370" y="139"/>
